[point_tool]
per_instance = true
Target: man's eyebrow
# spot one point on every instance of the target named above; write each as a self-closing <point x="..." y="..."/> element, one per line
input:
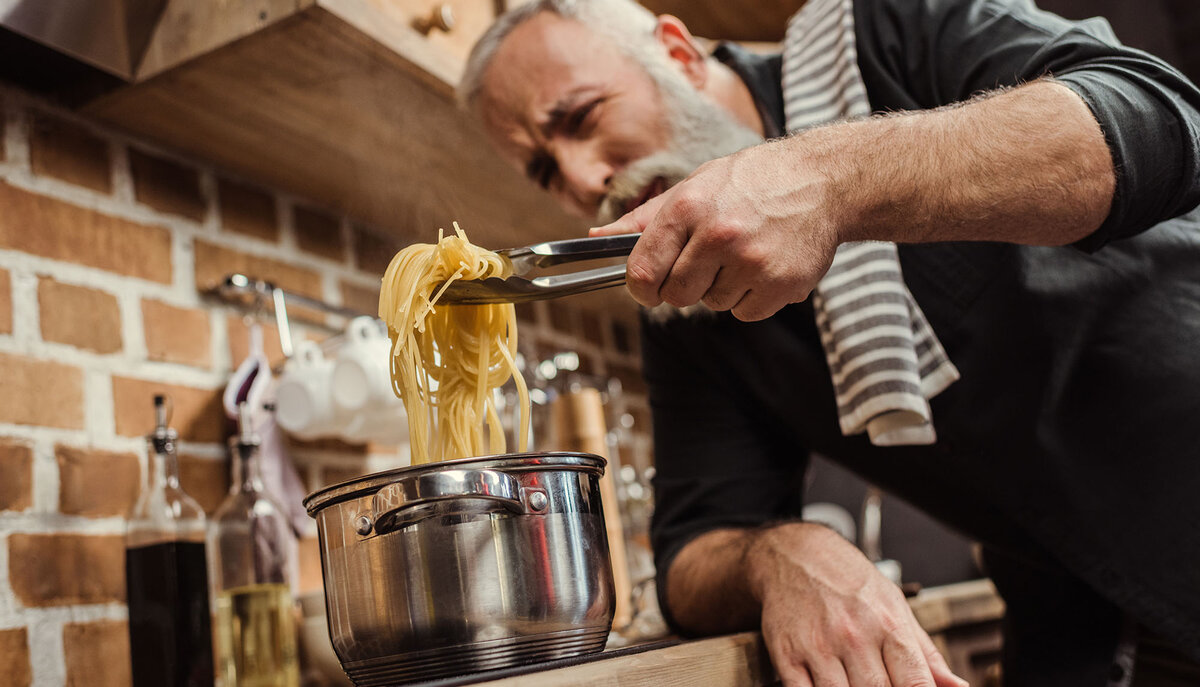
<point x="555" y="116"/>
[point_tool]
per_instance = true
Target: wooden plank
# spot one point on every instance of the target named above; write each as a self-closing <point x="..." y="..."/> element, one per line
<point x="730" y="661"/>
<point x="316" y="105"/>
<point x="764" y="20"/>
<point x="962" y="603"/>
<point x="188" y="29"/>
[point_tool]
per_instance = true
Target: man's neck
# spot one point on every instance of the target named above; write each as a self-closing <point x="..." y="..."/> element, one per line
<point x="730" y="92"/>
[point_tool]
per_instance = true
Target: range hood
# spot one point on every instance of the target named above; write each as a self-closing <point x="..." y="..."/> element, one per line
<point x="110" y="35"/>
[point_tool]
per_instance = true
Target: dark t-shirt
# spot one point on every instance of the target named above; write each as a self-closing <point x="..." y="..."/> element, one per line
<point x="1071" y="446"/>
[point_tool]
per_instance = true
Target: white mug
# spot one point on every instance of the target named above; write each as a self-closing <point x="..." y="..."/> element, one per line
<point x="385" y="424"/>
<point x="362" y="373"/>
<point x="303" y="399"/>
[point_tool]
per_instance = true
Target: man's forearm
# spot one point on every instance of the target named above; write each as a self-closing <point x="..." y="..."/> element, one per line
<point x="707" y="584"/>
<point x="1029" y="165"/>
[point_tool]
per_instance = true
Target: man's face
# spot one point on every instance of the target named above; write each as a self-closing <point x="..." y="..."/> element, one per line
<point x="589" y="124"/>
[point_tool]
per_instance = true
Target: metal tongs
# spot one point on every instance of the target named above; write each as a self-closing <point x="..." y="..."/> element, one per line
<point x="518" y="288"/>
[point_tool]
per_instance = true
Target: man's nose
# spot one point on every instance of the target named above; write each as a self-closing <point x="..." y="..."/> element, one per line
<point x="585" y="177"/>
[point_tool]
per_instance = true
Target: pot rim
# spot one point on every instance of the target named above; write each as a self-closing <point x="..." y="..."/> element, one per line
<point x="517" y="462"/>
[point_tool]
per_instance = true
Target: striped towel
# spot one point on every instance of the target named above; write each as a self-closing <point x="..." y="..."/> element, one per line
<point x="885" y="360"/>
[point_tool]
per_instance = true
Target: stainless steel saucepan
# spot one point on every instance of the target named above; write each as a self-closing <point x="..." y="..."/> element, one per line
<point x="465" y="565"/>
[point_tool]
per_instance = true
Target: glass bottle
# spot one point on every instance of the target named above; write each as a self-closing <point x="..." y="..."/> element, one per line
<point x="251" y="548"/>
<point x="170" y="640"/>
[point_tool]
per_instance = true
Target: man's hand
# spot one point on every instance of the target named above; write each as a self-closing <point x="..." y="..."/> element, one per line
<point x="756" y="230"/>
<point x="750" y="233"/>
<point x="830" y="618"/>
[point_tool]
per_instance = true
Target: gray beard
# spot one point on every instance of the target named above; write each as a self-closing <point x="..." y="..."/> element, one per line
<point x="700" y="131"/>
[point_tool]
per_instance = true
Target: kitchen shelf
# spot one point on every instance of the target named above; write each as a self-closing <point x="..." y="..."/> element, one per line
<point x="343" y="103"/>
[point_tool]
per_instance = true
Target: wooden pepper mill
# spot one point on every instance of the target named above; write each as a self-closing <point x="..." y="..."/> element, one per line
<point x="578" y="420"/>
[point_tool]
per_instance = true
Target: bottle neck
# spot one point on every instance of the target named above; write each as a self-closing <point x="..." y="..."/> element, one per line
<point x="247" y="475"/>
<point x="164" y="472"/>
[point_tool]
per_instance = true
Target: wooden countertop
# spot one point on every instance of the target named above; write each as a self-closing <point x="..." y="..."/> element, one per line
<point x="741" y="660"/>
<point x="738" y="660"/>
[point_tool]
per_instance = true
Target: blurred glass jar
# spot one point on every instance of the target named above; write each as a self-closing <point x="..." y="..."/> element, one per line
<point x="170" y="640"/>
<point x="252" y="552"/>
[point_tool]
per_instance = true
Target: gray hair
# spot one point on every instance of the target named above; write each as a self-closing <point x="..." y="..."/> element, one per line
<point x="629" y="25"/>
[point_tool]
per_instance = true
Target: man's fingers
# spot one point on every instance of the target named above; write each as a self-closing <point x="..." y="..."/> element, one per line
<point x="942" y="675"/>
<point x="828" y="672"/>
<point x="631" y="222"/>
<point x="727" y="289"/>
<point x="794" y="676"/>
<point x="905" y="661"/>
<point x="661" y="244"/>
<point x="691" y="277"/>
<point x="756" y="305"/>
<point x="864" y="665"/>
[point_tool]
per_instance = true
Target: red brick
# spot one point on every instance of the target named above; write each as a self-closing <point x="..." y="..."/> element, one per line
<point x="166" y="186"/>
<point x="50" y="228"/>
<point x="197" y="413"/>
<point x="204" y="479"/>
<point x="66" y="569"/>
<point x="96" y="483"/>
<point x="69" y="152"/>
<point x="215" y="262"/>
<point x="239" y="341"/>
<point x="373" y="251"/>
<point x="177" y="335"/>
<point x="97" y="654"/>
<point x="40" y="392"/>
<point x="79" y="316"/>
<point x="319" y="233"/>
<point x="6" y="312"/>
<point x="247" y="210"/>
<point x="360" y="298"/>
<point x="16" y="485"/>
<point x="14" y="656"/>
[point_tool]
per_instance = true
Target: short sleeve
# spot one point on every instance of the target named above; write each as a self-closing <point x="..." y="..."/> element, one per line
<point x="938" y="52"/>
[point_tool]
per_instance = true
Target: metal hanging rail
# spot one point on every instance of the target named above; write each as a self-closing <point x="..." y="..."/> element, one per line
<point x="238" y="288"/>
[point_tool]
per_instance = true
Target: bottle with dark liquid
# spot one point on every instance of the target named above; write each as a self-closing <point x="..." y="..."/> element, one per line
<point x="170" y="636"/>
<point x="251" y="559"/>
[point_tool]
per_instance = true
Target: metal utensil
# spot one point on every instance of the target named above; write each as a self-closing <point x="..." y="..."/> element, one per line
<point x="466" y="565"/>
<point x="518" y="288"/>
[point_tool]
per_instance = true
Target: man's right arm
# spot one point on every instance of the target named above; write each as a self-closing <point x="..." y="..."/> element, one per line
<point x="827" y="615"/>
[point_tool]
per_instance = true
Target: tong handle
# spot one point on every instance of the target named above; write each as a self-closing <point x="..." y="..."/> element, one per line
<point x="550" y="253"/>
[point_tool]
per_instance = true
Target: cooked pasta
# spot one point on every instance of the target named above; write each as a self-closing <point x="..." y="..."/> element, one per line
<point x="448" y="360"/>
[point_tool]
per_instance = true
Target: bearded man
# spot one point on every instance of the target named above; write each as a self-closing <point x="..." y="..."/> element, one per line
<point x="1004" y="325"/>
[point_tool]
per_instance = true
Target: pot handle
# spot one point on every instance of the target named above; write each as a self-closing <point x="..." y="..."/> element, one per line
<point x="444" y="492"/>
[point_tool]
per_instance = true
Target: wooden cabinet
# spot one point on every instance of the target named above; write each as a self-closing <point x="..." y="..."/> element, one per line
<point x="345" y="103"/>
<point x="451" y="26"/>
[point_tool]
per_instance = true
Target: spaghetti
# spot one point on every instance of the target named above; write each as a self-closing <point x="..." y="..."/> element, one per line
<point x="447" y="361"/>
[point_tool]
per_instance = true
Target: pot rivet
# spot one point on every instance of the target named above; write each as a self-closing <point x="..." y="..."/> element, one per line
<point x="362" y="525"/>
<point x="538" y="501"/>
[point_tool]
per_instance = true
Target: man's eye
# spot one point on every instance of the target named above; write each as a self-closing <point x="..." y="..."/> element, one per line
<point x="577" y="119"/>
<point x="542" y="171"/>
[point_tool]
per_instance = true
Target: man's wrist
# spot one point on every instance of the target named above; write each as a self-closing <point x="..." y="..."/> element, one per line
<point x="768" y="550"/>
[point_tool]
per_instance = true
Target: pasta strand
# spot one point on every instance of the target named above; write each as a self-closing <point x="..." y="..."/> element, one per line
<point x="448" y="361"/>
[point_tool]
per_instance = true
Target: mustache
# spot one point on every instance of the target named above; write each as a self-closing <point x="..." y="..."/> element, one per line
<point x="628" y="185"/>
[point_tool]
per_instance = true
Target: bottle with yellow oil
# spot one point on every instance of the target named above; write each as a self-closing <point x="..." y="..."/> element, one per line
<point x="251" y="560"/>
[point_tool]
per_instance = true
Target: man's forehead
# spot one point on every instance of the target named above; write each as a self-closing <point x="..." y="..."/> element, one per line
<point x="541" y="63"/>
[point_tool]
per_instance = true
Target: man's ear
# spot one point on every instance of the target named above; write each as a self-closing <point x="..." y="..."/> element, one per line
<point x="682" y="49"/>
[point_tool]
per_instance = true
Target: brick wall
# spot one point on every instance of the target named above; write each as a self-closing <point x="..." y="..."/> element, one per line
<point x="107" y="248"/>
